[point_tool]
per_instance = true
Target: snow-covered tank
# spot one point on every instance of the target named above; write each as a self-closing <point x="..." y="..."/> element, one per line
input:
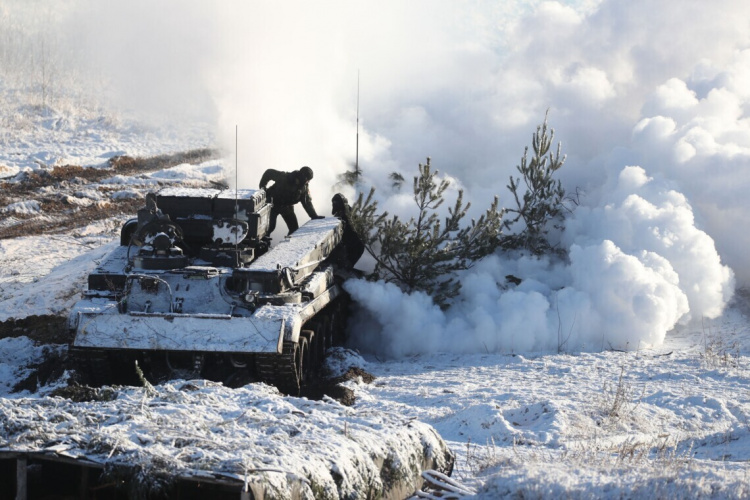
<point x="193" y="289"/>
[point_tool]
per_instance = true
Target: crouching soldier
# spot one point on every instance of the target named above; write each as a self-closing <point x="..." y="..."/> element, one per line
<point x="351" y="248"/>
<point x="288" y="189"/>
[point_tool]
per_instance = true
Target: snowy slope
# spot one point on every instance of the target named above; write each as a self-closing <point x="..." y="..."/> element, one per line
<point x="280" y="445"/>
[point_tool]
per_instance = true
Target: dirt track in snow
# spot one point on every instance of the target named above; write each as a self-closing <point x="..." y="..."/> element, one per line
<point x="55" y="189"/>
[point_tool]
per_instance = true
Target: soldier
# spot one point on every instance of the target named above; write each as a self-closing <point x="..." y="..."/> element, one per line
<point x="351" y="249"/>
<point x="288" y="189"/>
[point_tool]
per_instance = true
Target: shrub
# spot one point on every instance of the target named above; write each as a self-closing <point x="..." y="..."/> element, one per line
<point x="541" y="204"/>
<point x="423" y="252"/>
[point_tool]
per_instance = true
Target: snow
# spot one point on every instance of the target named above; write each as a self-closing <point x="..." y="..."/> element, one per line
<point x="17" y="354"/>
<point x="249" y="434"/>
<point x="295" y="251"/>
<point x="45" y="275"/>
<point x="22" y="207"/>
<point x="553" y="424"/>
<point x="87" y="137"/>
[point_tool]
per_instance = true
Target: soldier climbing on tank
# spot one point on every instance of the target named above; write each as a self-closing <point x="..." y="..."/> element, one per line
<point x="288" y="189"/>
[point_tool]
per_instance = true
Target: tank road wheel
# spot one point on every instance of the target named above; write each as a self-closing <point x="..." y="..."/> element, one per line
<point x="338" y="324"/>
<point x="184" y="365"/>
<point x="303" y="362"/>
<point x="233" y="369"/>
<point x="324" y="336"/>
<point x="291" y="370"/>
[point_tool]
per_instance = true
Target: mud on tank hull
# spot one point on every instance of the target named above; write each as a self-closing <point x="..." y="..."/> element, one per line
<point x="193" y="290"/>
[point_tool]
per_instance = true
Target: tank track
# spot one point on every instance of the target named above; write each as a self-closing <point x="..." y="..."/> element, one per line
<point x="97" y="368"/>
<point x="280" y="370"/>
<point x="324" y="331"/>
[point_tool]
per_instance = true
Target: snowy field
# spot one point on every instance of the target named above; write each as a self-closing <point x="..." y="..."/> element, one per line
<point x="619" y="372"/>
<point x="670" y="419"/>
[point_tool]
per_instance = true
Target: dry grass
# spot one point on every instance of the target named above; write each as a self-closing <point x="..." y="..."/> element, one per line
<point x="481" y="458"/>
<point x="619" y="400"/>
<point x="719" y="351"/>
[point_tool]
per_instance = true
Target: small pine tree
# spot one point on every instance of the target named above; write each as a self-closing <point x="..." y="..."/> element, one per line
<point x="365" y="220"/>
<point x="542" y="202"/>
<point x="423" y="253"/>
<point x="351" y="177"/>
<point x="397" y="180"/>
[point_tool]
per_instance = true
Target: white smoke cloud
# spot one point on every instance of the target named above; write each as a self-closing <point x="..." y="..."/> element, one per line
<point x="637" y="266"/>
<point x="649" y="243"/>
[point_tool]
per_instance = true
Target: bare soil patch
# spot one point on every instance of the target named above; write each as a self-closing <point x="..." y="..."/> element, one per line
<point x="117" y="165"/>
<point x="43" y="329"/>
<point x="58" y="214"/>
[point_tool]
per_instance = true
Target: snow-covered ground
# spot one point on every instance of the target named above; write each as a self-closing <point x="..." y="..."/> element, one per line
<point x="671" y="421"/>
<point x="666" y="421"/>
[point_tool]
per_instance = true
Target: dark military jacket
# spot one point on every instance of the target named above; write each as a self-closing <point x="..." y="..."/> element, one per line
<point x="284" y="191"/>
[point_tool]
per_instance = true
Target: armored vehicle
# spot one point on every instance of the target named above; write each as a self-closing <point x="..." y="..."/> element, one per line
<point x="196" y="289"/>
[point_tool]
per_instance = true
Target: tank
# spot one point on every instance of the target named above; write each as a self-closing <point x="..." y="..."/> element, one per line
<point x="195" y="289"/>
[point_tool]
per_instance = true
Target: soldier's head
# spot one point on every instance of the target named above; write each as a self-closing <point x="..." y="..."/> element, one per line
<point x="305" y="174"/>
<point x="340" y="205"/>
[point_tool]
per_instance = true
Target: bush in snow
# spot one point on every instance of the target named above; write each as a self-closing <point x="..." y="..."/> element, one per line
<point x="541" y="204"/>
<point x="425" y="252"/>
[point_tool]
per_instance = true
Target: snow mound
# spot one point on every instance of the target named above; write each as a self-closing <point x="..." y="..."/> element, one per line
<point x="280" y="446"/>
<point x="672" y="477"/>
<point x="22" y="207"/>
<point x="339" y="360"/>
<point x="17" y="354"/>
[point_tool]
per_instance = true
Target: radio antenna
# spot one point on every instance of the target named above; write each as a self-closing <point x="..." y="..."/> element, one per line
<point x="236" y="170"/>
<point x="236" y="191"/>
<point x="357" y="173"/>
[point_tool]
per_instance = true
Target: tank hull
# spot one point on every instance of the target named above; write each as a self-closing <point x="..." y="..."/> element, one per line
<point x="193" y="282"/>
